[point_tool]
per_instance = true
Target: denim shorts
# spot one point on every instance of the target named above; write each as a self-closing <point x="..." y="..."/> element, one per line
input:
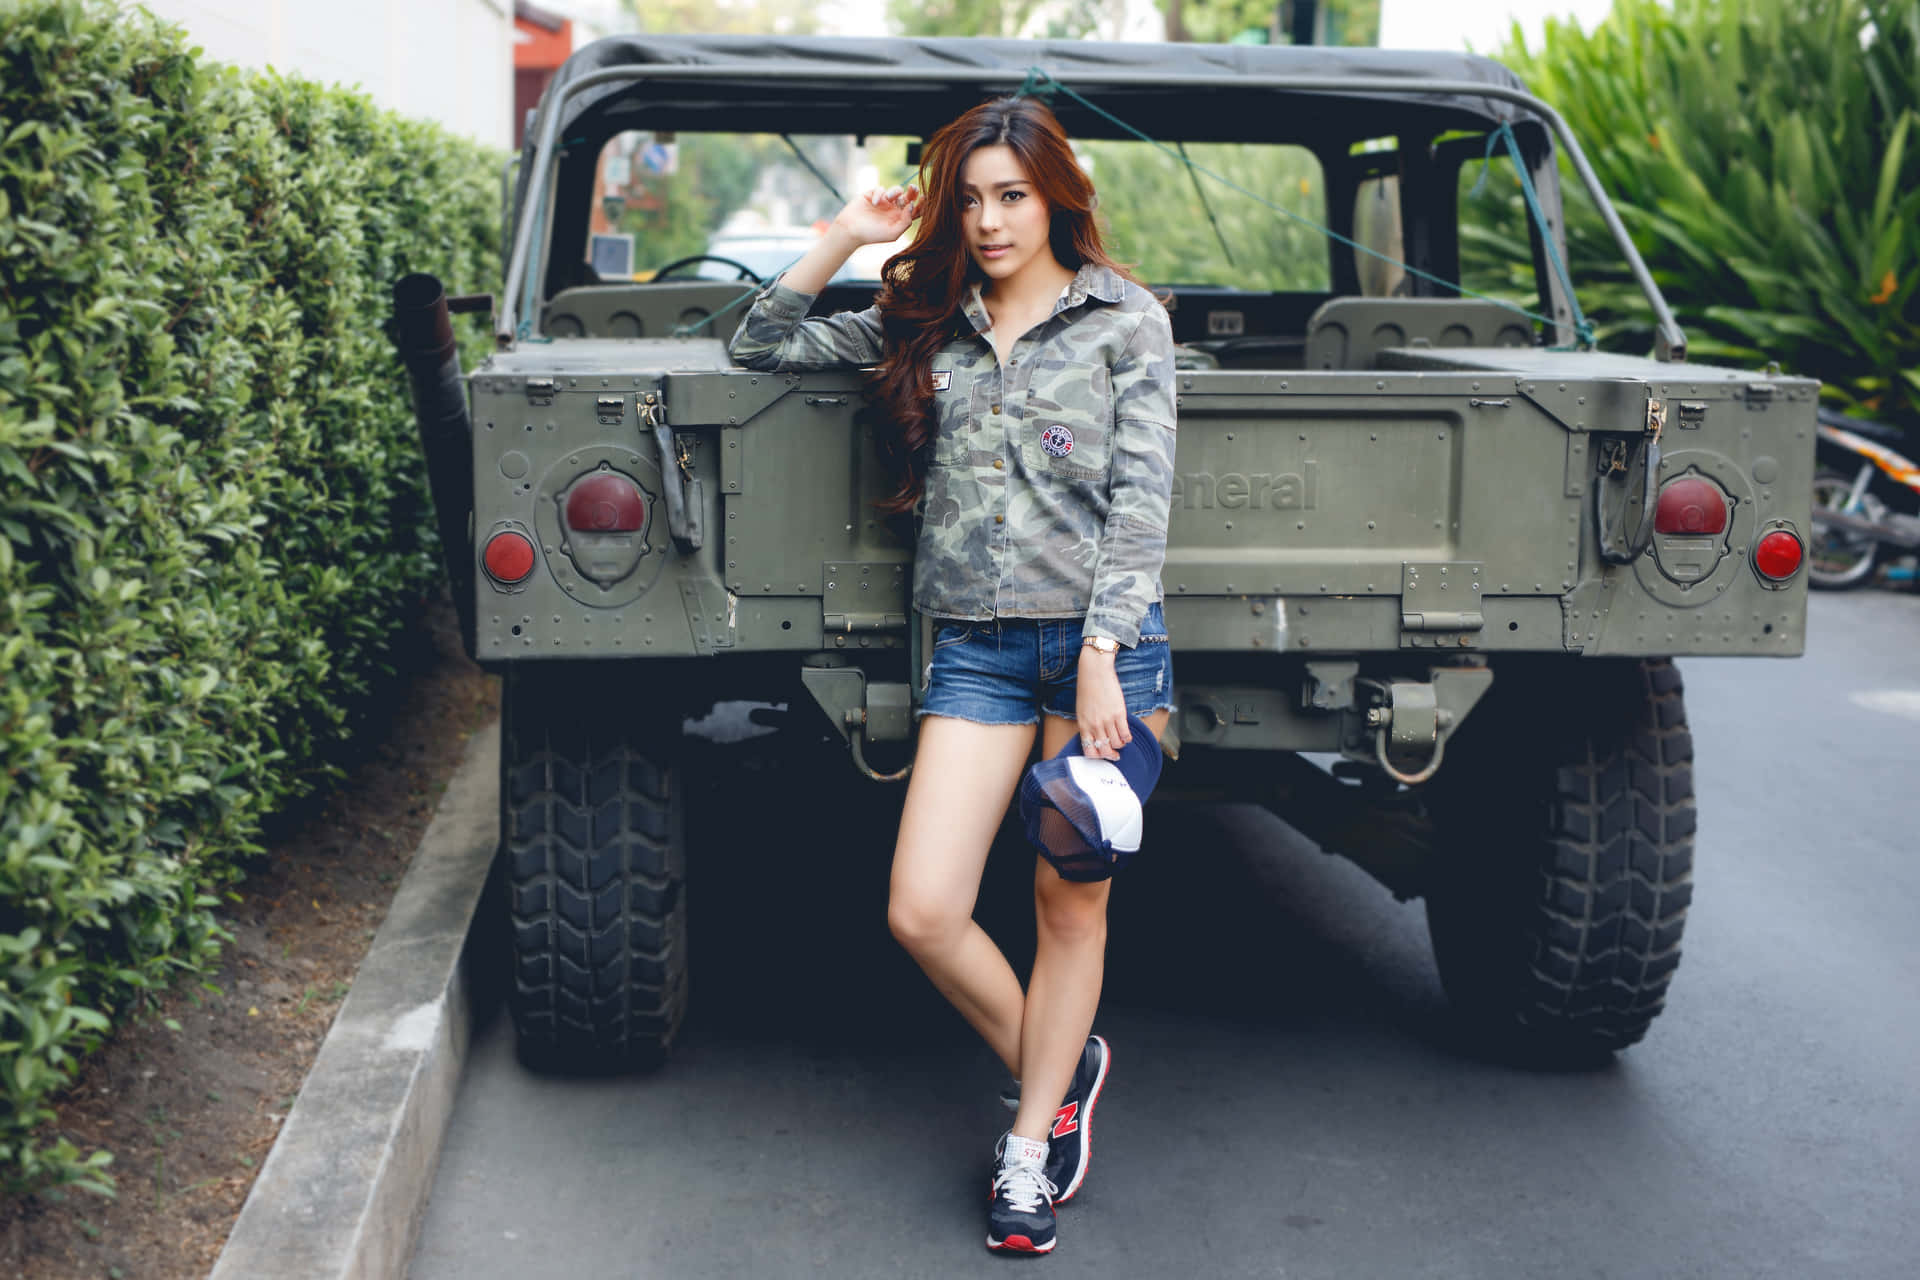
<point x="1009" y="670"/>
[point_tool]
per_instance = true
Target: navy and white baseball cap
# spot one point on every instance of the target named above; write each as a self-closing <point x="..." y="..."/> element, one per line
<point x="1084" y="815"/>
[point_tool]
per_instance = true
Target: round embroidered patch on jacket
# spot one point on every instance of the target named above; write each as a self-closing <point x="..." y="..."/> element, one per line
<point x="1057" y="440"/>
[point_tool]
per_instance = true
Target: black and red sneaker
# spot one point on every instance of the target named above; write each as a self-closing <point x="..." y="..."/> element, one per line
<point x="1070" y="1140"/>
<point x="1020" y="1214"/>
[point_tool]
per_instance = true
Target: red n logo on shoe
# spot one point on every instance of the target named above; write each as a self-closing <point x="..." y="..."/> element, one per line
<point x="1064" y="1120"/>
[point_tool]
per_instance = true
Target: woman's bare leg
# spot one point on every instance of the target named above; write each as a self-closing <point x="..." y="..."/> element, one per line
<point x="1069" y="965"/>
<point x="963" y="779"/>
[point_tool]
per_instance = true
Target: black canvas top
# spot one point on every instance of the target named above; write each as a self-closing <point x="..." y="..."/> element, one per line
<point x="901" y="87"/>
<point x="900" y="106"/>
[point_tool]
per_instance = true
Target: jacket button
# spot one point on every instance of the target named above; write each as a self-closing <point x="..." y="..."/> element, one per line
<point x="999" y="519"/>
<point x="998" y="464"/>
<point x="996" y="408"/>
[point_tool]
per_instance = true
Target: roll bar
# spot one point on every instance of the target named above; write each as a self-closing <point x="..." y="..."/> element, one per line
<point x="1670" y="343"/>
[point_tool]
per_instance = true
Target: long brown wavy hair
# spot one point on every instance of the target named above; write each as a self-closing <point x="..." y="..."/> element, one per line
<point x="925" y="285"/>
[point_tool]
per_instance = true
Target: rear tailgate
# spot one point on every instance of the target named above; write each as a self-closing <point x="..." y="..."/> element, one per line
<point x="1454" y="509"/>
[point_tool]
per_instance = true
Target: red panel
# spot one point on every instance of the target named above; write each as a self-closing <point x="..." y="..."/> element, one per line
<point x="536" y="46"/>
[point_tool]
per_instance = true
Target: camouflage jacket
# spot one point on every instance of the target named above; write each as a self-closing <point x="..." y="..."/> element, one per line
<point x="1050" y="478"/>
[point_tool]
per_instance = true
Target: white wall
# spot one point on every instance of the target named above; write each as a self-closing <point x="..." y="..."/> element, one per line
<point x="444" y="60"/>
<point x="1482" y="25"/>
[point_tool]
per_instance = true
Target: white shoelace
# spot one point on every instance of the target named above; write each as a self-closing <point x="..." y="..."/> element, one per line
<point x="1024" y="1183"/>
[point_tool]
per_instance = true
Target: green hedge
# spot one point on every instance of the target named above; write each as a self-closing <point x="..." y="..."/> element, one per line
<point x="212" y="511"/>
<point x="1763" y="155"/>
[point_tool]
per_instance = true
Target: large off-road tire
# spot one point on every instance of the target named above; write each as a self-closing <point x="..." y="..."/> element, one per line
<point x="593" y="860"/>
<point x="1563" y="821"/>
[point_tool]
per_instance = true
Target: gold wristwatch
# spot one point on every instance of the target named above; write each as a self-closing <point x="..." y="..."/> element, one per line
<point x="1100" y="644"/>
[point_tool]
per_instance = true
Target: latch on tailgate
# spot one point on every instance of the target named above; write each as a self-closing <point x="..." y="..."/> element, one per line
<point x="685" y="503"/>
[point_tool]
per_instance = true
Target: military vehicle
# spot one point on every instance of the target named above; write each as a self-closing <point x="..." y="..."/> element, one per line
<point x="1430" y="560"/>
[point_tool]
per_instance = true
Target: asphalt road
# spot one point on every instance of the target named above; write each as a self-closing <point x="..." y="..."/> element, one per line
<point x="1288" y="1097"/>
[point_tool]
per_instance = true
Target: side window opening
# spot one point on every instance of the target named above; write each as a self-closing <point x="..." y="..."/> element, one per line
<point x="1496" y="241"/>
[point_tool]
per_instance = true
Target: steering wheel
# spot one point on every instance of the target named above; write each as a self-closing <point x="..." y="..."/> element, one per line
<point x="746" y="272"/>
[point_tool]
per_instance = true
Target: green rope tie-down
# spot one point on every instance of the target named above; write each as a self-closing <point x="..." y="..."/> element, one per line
<point x="1505" y="134"/>
<point x="1041" y="84"/>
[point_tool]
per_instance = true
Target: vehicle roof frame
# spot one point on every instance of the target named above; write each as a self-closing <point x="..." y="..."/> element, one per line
<point x="1670" y="341"/>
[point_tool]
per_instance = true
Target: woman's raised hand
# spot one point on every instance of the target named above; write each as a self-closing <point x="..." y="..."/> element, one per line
<point x="881" y="215"/>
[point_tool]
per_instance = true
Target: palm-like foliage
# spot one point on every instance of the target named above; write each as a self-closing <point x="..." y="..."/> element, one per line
<point x="1763" y="155"/>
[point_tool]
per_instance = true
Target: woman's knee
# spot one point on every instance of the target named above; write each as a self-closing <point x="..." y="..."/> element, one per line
<point x="1068" y="911"/>
<point x="922" y="926"/>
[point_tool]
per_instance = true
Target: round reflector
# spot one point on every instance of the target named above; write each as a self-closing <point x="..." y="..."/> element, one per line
<point x="605" y="502"/>
<point x="1778" y="555"/>
<point x="1691" y="505"/>
<point x="509" y="557"/>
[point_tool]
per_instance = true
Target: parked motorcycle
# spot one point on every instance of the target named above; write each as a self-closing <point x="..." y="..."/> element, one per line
<point x="1866" y="500"/>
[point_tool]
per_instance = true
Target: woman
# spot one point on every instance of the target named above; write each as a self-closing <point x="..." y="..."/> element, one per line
<point x="1026" y="386"/>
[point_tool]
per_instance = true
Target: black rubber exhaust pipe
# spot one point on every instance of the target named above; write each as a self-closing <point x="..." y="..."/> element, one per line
<point x="422" y="329"/>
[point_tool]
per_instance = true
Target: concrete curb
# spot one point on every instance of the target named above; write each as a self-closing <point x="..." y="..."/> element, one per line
<point x="343" y="1191"/>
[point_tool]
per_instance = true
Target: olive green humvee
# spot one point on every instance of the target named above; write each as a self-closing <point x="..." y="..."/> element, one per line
<point x="1416" y="532"/>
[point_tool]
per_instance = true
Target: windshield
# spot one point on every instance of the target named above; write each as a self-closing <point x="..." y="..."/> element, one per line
<point x="758" y="201"/>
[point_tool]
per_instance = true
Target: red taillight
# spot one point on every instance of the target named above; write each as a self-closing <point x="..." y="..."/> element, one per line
<point x="606" y="503"/>
<point x="1691" y="505"/>
<point x="509" y="557"/>
<point x="1777" y="555"/>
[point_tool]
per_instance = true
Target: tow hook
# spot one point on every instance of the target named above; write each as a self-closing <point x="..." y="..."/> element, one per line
<point x="1412" y="719"/>
<point x="861" y="710"/>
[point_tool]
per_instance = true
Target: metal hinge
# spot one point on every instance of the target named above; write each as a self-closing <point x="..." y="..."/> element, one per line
<point x="1440" y="605"/>
<point x="540" y="391"/>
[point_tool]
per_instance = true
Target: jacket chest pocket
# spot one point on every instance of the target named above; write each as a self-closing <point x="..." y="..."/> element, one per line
<point x="956" y="389"/>
<point x="1067" y="430"/>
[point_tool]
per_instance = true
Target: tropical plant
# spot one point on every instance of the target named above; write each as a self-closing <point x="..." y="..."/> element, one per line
<point x="1762" y="153"/>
